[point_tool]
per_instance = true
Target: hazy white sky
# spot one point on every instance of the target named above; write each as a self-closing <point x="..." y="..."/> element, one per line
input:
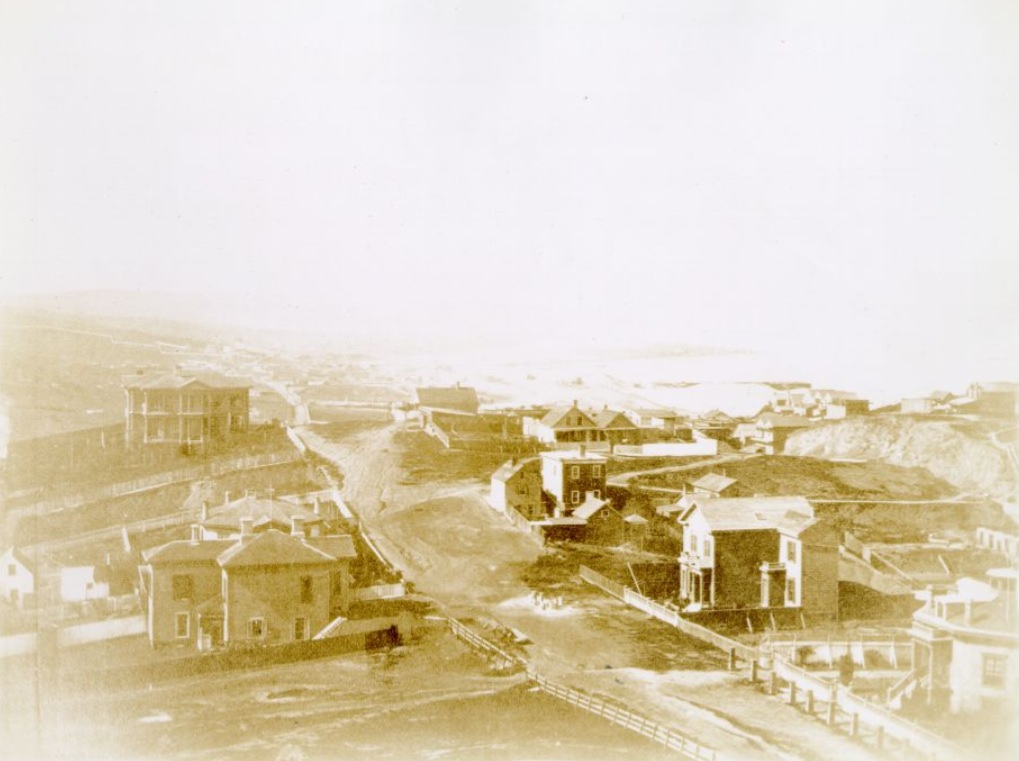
<point x="832" y="176"/>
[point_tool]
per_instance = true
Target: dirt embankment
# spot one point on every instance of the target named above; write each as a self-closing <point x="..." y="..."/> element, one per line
<point x="961" y="457"/>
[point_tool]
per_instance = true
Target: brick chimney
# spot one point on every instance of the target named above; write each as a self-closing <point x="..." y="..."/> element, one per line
<point x="196" y="534"/>
<point x="318" y="507"/>
<point x="247" y="528"/>
<point x="583" y="450"/>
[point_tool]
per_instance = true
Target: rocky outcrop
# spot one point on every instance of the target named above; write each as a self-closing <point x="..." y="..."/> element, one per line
<point x="962" y="458"/>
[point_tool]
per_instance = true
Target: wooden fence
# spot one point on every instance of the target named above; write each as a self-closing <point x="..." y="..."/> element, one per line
<point x="626" y="719"/>
<point x="669" y="615"/>
<point x="611" y="712"/>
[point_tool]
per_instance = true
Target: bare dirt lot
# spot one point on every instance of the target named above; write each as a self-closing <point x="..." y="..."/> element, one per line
<point x="444" y="537"/>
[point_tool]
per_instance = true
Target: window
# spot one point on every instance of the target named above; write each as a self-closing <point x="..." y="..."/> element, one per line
<point x="693" y="544"/>
<point x="790" y="592"/>
<point x="256" y="628"/>
<point x="12" y="570"/>
<point x="307" y="591"/>
<point x="300" y="628"/>
<point x="707" y="547"/>
<point x="597" y="493"/>
<point x="994" y="670"/>
<point x="182" y="626"/>
<point x="790" y="550"/>
<point x="575" y="471"/>
<point x="574" y="497"/>
<point x="596" y="471"/>
<point x="183" y="587"/>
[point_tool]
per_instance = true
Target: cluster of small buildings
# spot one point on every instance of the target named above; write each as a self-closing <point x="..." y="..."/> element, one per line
<point x="987" y="399"/>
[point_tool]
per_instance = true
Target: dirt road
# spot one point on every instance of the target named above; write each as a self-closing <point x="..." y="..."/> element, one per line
<point x="455" y="548"/>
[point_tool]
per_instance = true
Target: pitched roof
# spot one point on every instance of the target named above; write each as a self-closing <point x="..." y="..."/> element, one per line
<point x="261" y="511"/>
<point x="339" y="546"/>
<point x="462" y="398"/>
<point x="636" y="520"/>
<point x="173" y="381"/>
<point x="555" y="416"/>
<point x="184" y="551"/>
<point x="612" y="419"/>
<point x="28" y="562"/>
<point x="509" y="468"/>
<point x="713" y="482"/>
<point x="272" y="548"/>
<point x="717" y="416"/>
<point x="590" y="506"/>
<point x="750" y="513"/>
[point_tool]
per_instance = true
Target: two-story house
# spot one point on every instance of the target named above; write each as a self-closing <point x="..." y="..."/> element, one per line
<point x="806" y="574"/>
<point x="568" y="476"/>
<point x="516" y="485"/>
<point x="265" y="588"/>
<point x="566" y="428"/>
<point x="184" y="411"/>
<point x="725" y="544"/>
<point x="774" y="429"/>
<point x="224" y="521"/>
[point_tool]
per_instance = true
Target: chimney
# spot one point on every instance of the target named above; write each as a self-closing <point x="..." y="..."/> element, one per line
<point x="318" y="507"/>
<point x="297" y="526"/>
<point x="205" y="510"/>
<point x="196" y="534"/>
<point x="226" y="498"/>
<point x="574" y="402"/>
<point x="247" y="524"/>
<point x="583" y="450"/>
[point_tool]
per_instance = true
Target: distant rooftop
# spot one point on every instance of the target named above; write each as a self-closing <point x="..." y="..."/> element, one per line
<point x="175" y="381"/>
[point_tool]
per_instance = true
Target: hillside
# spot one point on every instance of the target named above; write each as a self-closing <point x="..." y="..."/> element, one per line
<point x="954" y="451"/>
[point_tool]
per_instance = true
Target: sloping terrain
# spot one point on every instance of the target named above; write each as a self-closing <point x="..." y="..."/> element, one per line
<point x="949" y="450"/>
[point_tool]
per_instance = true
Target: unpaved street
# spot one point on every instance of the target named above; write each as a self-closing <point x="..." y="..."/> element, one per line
<point x="445" y="538"/>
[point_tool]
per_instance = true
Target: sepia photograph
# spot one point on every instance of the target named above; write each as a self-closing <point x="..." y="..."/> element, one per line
<point x="509" y="380"/>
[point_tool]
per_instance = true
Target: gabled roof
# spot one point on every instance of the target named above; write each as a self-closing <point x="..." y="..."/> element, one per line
<point x="175" y="381"/>
<point x="775" y="420"/>
<point x="590" y="506"/>
<point x="636" y="520"/>
<point x="713" y="482"/>
<point x="717" y="416"/>
<point x="556" y="416"/>
<point x="462" y="398"/>
<point x="612" y="419"/>
<point x="261" y="511"/>
<point x="183" y="551"/>
<point x="272" y="548"/>
<point x="749" y="513"/>
<point x="23" y="559"/>
<point x="339" y="546"/>
<point x="509" y="469"/>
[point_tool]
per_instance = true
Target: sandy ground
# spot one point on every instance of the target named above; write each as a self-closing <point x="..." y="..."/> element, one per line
<point x="454" y="547"/>
<point x="433" y="699"/>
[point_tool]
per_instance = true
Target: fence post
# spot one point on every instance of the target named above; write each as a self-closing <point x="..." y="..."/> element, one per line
<point x="879" y="736"/>
<point x="792" y="693"/>
<point x="810" y="702"/>
<point x="753" y="671"/>
<point x="854" y="725"/>
<point x="732" y="659"/>
<point x="773" y="684"/>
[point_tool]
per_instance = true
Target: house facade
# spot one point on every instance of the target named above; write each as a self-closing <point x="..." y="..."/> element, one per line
<point x="726" y="542"/>
<point x="806" y="574"/>
<point x="966" y="647"/>
<point x="774" y="429"/>
<point x="568" y="476"/>
<point x="517" y="486"/>
<point x="184" y="411"/>
<point x="268" y="588"/>
<point x="17" y="578"/>
<point x="566" y="428"/>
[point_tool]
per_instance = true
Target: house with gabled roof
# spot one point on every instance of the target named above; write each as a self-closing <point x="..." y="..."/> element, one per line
<point x="17" y="577"/>
<point x="774" y="429"/>
<point x="184" y="410"/>
<point x="726" y="542"/>
<point x="255" y="589"/>
<point x="566" y="428"/>
<point x="516" y="485"/>
<point x="604" y="524"/>
<point x="616" y="427"/>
